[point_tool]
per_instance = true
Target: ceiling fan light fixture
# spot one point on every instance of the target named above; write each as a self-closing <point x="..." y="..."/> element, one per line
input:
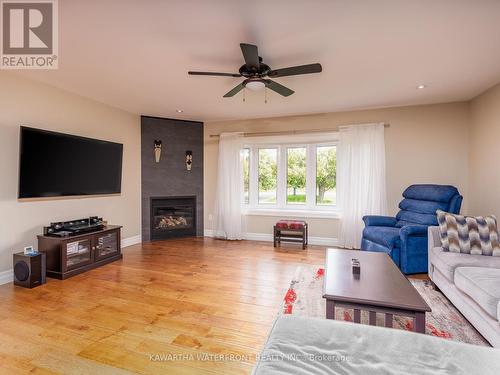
<point x="255" y="85"/>
<point x="255" y="70"/>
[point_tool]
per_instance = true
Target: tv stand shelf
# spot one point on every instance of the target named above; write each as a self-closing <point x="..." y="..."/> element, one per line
<point x="69" y="256"/>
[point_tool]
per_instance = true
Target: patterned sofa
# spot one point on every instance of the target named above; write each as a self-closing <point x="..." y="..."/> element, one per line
<point x="404" y="237"/>
<point x="471" y="283"/>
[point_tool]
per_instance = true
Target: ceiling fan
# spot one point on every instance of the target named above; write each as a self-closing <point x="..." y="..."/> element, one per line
<point x="255" y="71"/>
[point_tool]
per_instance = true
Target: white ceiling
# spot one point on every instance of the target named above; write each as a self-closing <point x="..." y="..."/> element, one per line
<point x="135" y="54"/>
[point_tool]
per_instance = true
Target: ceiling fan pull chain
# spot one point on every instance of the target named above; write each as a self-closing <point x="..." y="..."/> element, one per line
<point x="265" y="95"/>
<point x="244" y="92"/>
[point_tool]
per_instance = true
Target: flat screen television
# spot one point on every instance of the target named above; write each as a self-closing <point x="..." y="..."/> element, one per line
<point x="55" y="165"/>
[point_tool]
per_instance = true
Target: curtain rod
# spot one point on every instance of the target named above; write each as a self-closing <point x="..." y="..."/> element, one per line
<point x="288" y="132"/>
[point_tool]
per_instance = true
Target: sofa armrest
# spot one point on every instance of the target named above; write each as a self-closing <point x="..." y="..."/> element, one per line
<point x="434" y="237"/>
<point x="413" y="230"/>
<point x="379" y="221"/>
<point x="434" y="240"/>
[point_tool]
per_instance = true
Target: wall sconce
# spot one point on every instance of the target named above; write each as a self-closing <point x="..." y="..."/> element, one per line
<point x="189" y="160"/>
<point x="157" y="149"/>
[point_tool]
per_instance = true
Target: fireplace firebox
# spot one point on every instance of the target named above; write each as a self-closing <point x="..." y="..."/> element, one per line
<point x="173" y="217"/>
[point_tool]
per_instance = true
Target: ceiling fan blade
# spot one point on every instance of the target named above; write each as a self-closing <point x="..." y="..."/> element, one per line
<point x="214" y="74"/>
<point x="251" y="55"/>
<point x="296" y="70"/>
<point x="234" y="91"/>
<point x="280" y="89"/>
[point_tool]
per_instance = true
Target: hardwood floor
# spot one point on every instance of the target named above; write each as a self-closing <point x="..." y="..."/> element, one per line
<point x="164" y="308"/>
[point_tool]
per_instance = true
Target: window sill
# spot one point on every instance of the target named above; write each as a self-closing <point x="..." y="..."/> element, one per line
<point x="319" y="214"/>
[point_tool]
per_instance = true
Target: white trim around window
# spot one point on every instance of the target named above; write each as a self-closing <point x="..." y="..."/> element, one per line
<point x="284" y="213"/>
<point x="281" y="208"/>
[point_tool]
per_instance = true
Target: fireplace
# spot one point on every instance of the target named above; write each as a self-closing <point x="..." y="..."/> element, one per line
<point x="173" y="217"/>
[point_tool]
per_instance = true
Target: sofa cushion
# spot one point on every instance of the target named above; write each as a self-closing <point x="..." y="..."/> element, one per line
<point x="482" y="285"/>
<point x="437" y="193"/>
<point x="386" y="236"/>
<point x="405" y="217"/>
<point x="305" y="346"/>
<point x="446" y="262"/>
<point x="468" y="234"/>
<point x="423" y="207"/>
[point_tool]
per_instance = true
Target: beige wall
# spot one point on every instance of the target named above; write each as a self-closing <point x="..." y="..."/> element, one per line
<point x="424" y="144"/>
<point x="484" y="182"/>
<point x="25" y="102"/>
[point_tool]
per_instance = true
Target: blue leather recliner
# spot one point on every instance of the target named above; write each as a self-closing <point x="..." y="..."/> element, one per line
<point x="404" y="237"/>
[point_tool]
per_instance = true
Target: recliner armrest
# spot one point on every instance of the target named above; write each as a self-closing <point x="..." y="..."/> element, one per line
<point x="379" y="221"/>
<point x="416" y="230"/>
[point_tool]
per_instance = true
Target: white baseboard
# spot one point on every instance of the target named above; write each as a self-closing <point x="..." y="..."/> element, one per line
<point x="6" y="276"/>
<point x="321" y="241"/>
<point x="131" y="241"/>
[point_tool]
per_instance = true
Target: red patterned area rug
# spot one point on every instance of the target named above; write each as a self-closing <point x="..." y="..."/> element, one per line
<point x="304" y="298"/>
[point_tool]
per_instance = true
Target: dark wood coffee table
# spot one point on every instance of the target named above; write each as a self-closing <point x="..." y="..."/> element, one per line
<point x="379" y="288"/>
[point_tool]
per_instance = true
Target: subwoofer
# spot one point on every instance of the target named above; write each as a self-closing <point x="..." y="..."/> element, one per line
<point x="29" y="270"/>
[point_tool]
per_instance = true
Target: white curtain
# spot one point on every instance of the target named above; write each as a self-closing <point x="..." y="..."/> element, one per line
<point x="361" y="179"/>
<point x="228" y="218"/>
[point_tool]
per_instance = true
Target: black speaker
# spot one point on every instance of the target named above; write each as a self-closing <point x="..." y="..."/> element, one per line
<point x="29" y="270"/>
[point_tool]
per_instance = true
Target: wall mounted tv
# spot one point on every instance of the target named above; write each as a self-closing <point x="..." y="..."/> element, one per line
<point x="55" y="165"/>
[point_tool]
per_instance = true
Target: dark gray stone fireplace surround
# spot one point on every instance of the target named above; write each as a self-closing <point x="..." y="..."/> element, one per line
<point x="169" y="177"/>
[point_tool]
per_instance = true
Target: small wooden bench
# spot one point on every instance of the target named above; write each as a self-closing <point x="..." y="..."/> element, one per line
<point x="290" y="231"/>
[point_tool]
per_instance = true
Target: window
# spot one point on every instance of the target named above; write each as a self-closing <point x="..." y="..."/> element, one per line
<point x="296" y="176"/>
<point x="286" y="176"/>
<point x="326" y="175"/>
<point x="245" y="159"/>
<point x="268" y="175"/>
